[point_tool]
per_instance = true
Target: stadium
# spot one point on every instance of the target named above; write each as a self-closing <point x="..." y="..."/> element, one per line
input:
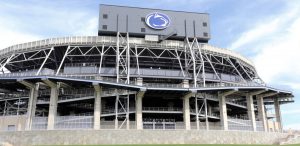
<point x="147" y="70"/>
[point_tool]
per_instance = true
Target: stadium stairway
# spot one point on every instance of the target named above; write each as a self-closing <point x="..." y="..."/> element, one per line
<point x="293" y="138"/>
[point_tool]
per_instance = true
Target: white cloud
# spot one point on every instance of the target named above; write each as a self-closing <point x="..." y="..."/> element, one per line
<point x="278" y="46"/>
<point x="24" y="22"/>
<point x="10" y="36"/>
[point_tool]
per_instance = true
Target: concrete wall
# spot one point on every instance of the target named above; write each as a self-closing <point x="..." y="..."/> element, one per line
<point x="68" y="137"/>
<point x="18" y="122"/>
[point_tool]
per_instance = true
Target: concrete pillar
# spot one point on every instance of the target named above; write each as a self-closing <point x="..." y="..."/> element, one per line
<point x="31" y="103"/>
<point x="127" y="113"/>
<point x="251" y="114"/>
<point x="185" y="84"/>
<point x="278" y="113"/>
<point x="138" y="108"/>
<point x="53" y="103"/>
<point x="52" y="108"/>
<point x="223" y="112"/>
<point x="186" y="111"/>
<point x="117" y="110"/>
<point x="97" y="106"/>
<point x="261" y="112"/>
<point x="31" y="106"/>
<point x="223" y="108"/>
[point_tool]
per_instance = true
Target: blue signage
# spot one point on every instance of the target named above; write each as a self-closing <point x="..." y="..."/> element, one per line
<point x="157" y="20"/>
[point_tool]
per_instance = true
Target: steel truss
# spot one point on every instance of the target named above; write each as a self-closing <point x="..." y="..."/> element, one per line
<point x="199" y="108"/>
<point x="122" y="101"/>
<point x="193" y="61"/>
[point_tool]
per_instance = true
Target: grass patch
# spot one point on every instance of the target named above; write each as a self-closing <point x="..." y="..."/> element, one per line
<point x="175" y="145"/>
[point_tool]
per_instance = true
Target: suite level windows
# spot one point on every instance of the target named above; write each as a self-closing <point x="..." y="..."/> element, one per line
<point x="143" y="29"/>
<point x="104" y="27"/>
<point x="205" y="34"/>
<point x="204" y="24"/>
<point x="105" y="16"/>
<point x="143" y="19"/>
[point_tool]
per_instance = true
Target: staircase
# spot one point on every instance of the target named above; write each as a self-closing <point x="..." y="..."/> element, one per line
<point x="293" y="138"/>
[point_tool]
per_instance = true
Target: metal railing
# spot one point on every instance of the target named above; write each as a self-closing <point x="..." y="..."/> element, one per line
<point x="162" y="109"/>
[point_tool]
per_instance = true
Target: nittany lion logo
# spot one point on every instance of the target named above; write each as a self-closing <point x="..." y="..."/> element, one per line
<point x="157" y="20"/>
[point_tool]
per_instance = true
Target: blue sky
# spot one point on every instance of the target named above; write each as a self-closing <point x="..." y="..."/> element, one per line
<point x="266" y="31"/>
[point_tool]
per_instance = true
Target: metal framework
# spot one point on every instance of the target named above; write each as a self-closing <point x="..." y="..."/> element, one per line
<point x="174" y="77"/>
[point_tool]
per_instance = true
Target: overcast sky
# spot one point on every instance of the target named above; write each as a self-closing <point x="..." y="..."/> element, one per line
<point x="265" y="31"/>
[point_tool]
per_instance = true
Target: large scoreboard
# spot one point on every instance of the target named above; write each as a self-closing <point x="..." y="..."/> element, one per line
<point x="141" y="22"/>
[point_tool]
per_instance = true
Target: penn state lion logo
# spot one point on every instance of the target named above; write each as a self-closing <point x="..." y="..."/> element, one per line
<point x="157" y="20"/>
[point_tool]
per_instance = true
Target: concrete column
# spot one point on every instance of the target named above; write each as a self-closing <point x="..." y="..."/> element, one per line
<point x="138" y="108"/>
<point x="278" y="113"/>
<point x="31" y="103"/>
<point x="53" y="103"/>
<point x="186" y="111"/>
<point x="223" y="108"/>
<point x="52" y="108"/>
<point x="223" y="112"/>
<point x="127" y="114"/>
<point x="117" y="110"/>
<point x="31" y="106"/>
<point x="250" y="108"/>
<point x="197" y="112"/>
<point x="97" y="107"/>
<point x="261" y="112"/>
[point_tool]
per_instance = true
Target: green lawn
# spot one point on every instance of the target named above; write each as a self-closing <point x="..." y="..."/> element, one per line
<point x="178" y="145"/>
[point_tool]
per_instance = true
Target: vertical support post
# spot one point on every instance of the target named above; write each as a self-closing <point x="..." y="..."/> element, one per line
<point x="18" y="115"/>
<point x="127" y="114"/>
<point x="202" y="62"/>
<point x="138" y="108"/>
<point x="191" y="51"/>
<point x="31" y="106"/>
<point x="52" y="108"/>
<point x="128" y="58"/>
<point x="31" y="103"/>
<point x="117" y="110"/>
<point x="137" y="60"/>
<point x="250" y="108"/>
<point x="53" y="103"/>
<point x="261" y="112"/>
<point x="186" y="111"/>
<point x="197" y="112"/>
<point x="97" y="106"/>
<point x="206" y="118"/>
<point x="223" y="112"/>
<point x="278" y="113"/>
<point x="118" y="57"/>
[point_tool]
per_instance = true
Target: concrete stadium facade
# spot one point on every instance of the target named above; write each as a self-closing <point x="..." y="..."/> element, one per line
<point x="124" y="81"/>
